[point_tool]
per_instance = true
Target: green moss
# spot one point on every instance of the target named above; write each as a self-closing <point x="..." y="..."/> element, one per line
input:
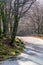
<point x="7" y="51"/>
<point x="5" y="56"/>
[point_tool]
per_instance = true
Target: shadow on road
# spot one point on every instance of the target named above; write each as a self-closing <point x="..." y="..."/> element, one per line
<point x="33" y="53"/>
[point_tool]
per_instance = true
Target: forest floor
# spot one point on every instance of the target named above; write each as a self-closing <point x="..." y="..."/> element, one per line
<point x="7" y="51"/>
<point x="38" y="36"/>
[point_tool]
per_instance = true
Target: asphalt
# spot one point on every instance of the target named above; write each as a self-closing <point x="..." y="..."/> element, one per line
<point x="32" y="55"/>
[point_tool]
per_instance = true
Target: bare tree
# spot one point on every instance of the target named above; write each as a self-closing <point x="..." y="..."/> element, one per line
<point x="36" y="16"/>
<point x="17" y="9"/>
<point x="20" y="8"/>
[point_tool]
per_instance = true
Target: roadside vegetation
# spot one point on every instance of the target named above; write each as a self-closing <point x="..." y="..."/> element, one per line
<point x="7" y="51"/>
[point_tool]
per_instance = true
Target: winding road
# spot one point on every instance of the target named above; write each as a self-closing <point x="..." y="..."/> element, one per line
<point x="32" y="55"/>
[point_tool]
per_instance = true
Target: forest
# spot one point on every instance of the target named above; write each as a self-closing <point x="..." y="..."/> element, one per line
<point x="21" y="31"/>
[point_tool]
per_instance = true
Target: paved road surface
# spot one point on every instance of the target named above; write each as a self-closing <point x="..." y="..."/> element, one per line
<point x="32" y="55"/>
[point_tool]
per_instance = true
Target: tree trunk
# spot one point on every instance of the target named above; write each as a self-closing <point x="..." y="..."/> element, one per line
<point x="4" y="22"/>
<point x="16" y="21"/>
<point x="14" y="30"/>
<point x="3" y="15"/>
<point x="0" y="26"/>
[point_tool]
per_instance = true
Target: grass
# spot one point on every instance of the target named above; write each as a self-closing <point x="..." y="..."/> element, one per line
<point x="6" y="51"/>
